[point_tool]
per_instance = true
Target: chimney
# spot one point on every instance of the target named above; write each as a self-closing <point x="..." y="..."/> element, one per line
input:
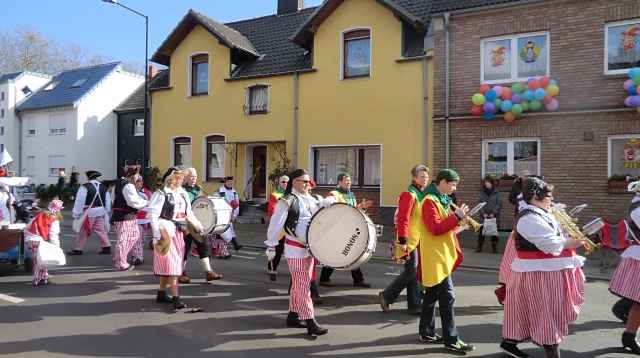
<point x="289" y="6"/>
<point x="152" y="71"/>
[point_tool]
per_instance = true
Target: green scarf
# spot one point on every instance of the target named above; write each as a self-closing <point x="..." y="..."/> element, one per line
<point x="443" y="199"/>
<point x="420" y="194"/>
<point x="279" y="190"/>
<point x="348" y="196"/>
<point x="193" y="191"/>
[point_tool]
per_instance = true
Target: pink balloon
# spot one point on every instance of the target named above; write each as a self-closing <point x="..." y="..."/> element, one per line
<point x="552" y="106"/>
<point x="627" y="102"/>
<point x="498" y="90"/>
<point x="628" y="84"/>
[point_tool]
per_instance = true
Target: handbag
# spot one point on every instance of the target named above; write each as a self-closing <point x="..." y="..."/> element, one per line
<point x="76" y="225"/>
<point x="50" y="254"/>
<point x="490" y="227"/>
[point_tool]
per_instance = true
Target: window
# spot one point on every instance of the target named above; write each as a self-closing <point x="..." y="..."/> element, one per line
<point x="78" y="83"/>
<point x="138" y="127"/>
<point x="52" y="85"/>
<point x="215" y="157"/>
<point x="1" y="130"/>
<point x="511" y="157"/>
<point x="1" y="147"/>
<point x="1" y="96"/>
<point x="356" y="61"/>
<point x="57" y="163"/>
<point x="57" y="124"/>
<point x="199" y="75"/>
<point x="257" y="99"/>
<point x="624" y="155"/>
<point x="182" y="152"/>
<point x="1" y="113"/>
<point x="362" y="163"/>
<point x="622" y="46"/>
<point x="514" y="58"/>
<point x="31" y="166"/>
<point x="26" y="90"/>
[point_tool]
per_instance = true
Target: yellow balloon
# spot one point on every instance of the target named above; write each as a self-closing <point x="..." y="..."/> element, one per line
<point x="478" y="99"/>
<point x="553" y="90"/>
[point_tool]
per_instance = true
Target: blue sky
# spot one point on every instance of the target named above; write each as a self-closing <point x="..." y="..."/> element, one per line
<point x="112" y="31"/>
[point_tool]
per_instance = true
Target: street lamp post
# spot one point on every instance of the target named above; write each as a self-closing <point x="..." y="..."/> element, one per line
<point x="145" y="149"/>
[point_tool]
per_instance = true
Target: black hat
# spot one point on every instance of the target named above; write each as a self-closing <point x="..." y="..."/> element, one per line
<point x="131" y="170"/>
<point x="228" y="178"/>
<point x="93" y="174"/>
<point x="169" y="171"/>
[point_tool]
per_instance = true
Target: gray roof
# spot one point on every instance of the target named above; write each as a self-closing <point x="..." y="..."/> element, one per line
<point x="134" y="102"/>
<point x="160" y="81"/>
<point x="63" y="95"/>
<point x="226" y="35"/>
<point x="9" y="76"/>
<point x="440" y="6"/>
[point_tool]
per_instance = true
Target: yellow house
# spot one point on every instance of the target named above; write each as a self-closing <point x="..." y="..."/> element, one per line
<point x="342" y="87"/>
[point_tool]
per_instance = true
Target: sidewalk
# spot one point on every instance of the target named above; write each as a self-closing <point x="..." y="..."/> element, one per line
<point x="253" y="235"/>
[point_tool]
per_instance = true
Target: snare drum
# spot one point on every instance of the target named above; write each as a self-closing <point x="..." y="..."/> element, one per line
<point x="341" y="237"/>
<point x="213" y="212"/>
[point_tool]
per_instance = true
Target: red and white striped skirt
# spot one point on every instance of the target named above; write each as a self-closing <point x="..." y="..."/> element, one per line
<point x="507" y="258"/>
<point x="626" y="279"/>
<point x="171" y="263"/>
<point x="540" y="305"/>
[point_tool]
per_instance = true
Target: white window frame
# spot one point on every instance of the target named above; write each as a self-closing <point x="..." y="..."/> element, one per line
<point x="51" y="86"/>
<point x="342" y="78"/>
<point x="247" y="98"/>
<point x="606" y="43"/>
<point x="189" y="74"/>
<point x="172" y="147"/>
<point x="510" y="154"/>
<point x="609" y="144"/>
<point x="514" y="56"/>
<point x="57" y="131"/>
<point x="312" y="161"/>
<point x="49" y="167"/>
<point x="135" y="127"/>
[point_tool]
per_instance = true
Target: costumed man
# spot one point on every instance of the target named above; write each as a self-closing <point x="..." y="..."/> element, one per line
<point x="409" y="229"/>
<point x="272" y="265"/>
<point x="136" y="255"/>
<point x="6" y="201"/>
<point x="440" y="255"/>
<point x="231" y="196"/>
<point x="94" y="197"/>
<point x="193" y="191"/>
<point x="545" y="290"/>
<point x="126" y="204"/>
<point x="44" y="227"/>
<point x="625" y="282"/>
<point x="169" y="210"/>
<point x="293" y="214"/>
<point x="343" y="194"/>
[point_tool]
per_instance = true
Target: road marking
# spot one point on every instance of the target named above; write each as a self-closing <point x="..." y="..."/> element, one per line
<point x="10" y="299"/>
<point x="392" y="274"/>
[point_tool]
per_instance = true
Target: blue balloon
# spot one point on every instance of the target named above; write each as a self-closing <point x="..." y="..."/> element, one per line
<point x="635" y="101"/>
<point x="553" y="82"/>
<point x="632" y="91"/>
<point x="634" y="72"/>
<point x="490" y="95"/>
<point x="528" y="95"/>
<point x="488" y="116"/>
<point x="539" y="94"/>
<point x="506" y="106"/>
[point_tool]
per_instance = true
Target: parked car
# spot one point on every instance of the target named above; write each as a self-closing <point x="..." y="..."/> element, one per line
<point x="25" y="202"/>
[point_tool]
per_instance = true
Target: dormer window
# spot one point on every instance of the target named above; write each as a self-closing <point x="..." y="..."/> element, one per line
<point x="356" y="61"/>
<point x="78" y="83"/>
<point x="200" y="75"/>
<point x="51" y="86"/>
<point x="26" y="90"/>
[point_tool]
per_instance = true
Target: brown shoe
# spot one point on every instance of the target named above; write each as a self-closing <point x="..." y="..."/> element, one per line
<point x="211" y="275"/>
<point x="184" y="279"/>
<point x="384" y="305"/>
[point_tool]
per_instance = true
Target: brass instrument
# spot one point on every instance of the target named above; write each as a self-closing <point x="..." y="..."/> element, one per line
<point x="569" y="227"/>
<point x="468" y="221"/>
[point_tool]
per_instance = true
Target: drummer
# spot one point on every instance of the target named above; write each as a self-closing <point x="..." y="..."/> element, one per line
<point x="194" y="190"/>
<point x="343" y="194"/>
<point x="293" y="214"/>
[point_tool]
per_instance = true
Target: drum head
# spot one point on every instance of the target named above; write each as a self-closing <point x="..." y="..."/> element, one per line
<point x="338" y="236"/>
<point x="204" y="211"/>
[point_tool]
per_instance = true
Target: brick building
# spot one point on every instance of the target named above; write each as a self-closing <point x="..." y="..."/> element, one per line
<point x="577" y="148"/>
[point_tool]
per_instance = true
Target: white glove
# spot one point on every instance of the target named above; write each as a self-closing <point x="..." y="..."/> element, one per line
<point x="461" y="212"/>
<point x="271" y="253"/>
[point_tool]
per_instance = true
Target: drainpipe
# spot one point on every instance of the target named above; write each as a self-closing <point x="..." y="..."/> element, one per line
<point x="20" y="134"/>
<point x="296" y="116"/>
<point x="447" y="127"/>
<point x="425" y="110"/>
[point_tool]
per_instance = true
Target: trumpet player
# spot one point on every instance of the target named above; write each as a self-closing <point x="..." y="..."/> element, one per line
<point x="626" y="279"/>
<point x="545" y="290"/>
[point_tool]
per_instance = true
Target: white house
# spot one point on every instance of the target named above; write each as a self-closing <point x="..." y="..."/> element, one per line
<point x="15" y="87"/>
<point x="70" y="122"/>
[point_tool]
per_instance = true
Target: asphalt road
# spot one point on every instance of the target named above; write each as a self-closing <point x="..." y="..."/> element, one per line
<point x="92" y="311"/>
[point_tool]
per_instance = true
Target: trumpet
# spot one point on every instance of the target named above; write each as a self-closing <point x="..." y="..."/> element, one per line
<point x="568" y="224"/>
<point x="468" y="221"/>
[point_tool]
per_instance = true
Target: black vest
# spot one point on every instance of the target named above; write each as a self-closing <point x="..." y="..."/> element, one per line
<point x="91" y="193"/>
<point x="294" y="213"/>
<point x="523" y="244"/>
<point x="122" y="211"/>
<point x="635" y="230"/>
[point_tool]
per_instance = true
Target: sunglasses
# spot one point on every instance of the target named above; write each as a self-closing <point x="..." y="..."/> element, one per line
<point x="304" y="181"/>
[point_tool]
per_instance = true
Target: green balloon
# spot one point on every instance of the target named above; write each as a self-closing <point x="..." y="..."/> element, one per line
<point x="636" y="80"/>
<point x="535" y="105"/>
<point x="525" y="106"/>
<point x="498" y="103"/>
<point x="516" y="88"/>
<point x="516" y="109"/>
<point x="478" y="99"/>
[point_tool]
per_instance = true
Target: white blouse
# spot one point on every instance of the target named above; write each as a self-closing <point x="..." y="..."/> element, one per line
<point x="181" y="211"/>
<point x="54" y="234"/>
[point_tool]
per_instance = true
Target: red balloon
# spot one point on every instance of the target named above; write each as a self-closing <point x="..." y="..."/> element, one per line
<point x="544" y="81"/>
<point x="534" y="84"/>
<point x="484" y="88"/>
<point x="476" y="110"/>
<point x="547" y="99"/>
<point x="506" y="93"/>
<point x="638" y="89"/>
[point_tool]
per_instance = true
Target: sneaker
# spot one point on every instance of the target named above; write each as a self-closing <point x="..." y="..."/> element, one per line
<point x="211" y="275"/>
<point x="128" y="268"/>
<point x="459" y="347"/>
<point x="136" y="262"/>
<point x="384" y="305"/>
<point x="511" y="349"/>
<point x="105" y="251"/>
<point x="430" y="338"/>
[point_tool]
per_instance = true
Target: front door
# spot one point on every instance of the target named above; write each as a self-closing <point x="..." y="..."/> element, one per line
<point x="259" y="186"/>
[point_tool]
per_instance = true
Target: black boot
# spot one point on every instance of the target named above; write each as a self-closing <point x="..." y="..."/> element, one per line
<point x="629" y="343"/>
<point x="494" y="247"/>
<point x="480" y="243"/>
<point x="621" y="309"/>
<point x="162" y="297"/>
<point x="293" y="321"/>
<point x="511" y="348"/>
<point x="177" y="304"/>
<point x="313" y="329"/>
<point x="235" y="244"/>
<point x="552" y="351"/>
<point x="105" y="251"/>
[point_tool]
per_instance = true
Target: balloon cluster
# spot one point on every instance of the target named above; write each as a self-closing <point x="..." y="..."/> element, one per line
<point x="529" y="96"/>
<point x="632" y="86"/>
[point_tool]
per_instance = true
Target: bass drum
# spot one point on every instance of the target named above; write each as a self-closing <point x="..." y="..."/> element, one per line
<point x="341" y="237"/>
<point x="213" y="212"/>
